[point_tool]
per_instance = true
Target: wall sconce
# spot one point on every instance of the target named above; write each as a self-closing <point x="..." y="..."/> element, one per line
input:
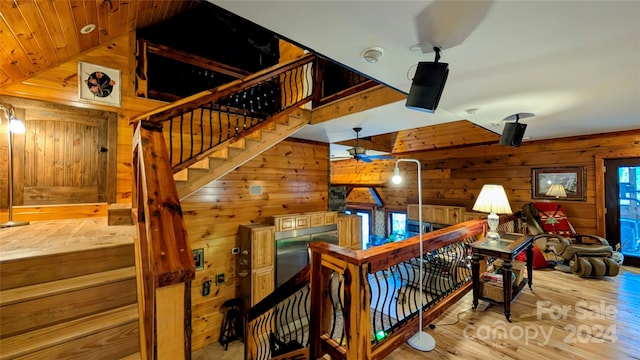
<point x="420" y="341"/>
<point x="14" y="125"/>
<point x="492" y="199"/>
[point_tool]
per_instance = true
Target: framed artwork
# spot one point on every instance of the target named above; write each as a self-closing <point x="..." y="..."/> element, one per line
<point x="99" y="84"/>
<point x="573" y="180"/>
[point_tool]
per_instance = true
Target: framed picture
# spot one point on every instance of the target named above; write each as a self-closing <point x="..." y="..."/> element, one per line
<point x="573" y="180"/>
<point x="99" y="84"/>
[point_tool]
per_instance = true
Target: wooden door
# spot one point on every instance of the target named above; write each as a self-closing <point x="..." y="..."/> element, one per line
<point x="66" y="156"/>
<point x="262" y="247"/>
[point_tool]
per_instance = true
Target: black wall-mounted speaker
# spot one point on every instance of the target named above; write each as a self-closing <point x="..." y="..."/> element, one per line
<point x="512" y="134"/>
<point x="427" y="86"/>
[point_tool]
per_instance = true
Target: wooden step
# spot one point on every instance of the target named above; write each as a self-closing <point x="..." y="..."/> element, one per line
<point x="109" y="335"/>
<point x="119" y="214"/>
<point x="63" y="265"/>
<point x="238" y="155"/>
<point x="33" y="292"/>
<point x="37" y="306"/>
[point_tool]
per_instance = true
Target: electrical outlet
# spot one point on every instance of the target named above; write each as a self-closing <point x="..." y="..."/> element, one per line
<point x="198" y="258"/>
<point x="206" y="287"/>
<point x="219" y="279"/>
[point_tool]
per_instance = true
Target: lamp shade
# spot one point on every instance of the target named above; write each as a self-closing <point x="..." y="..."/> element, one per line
<point x="557" y="190"/>
<point x="492" y="199"/>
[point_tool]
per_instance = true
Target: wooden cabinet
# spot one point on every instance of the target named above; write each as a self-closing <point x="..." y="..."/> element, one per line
<point x="304" y="220"/>
<point x="284" y="223"/>
<point x="436" y="214"/>
<point x="255" y="263"/>
<point x="262" y="284"/>
<point x="330" y="217"/>
<point x="413" y="212"/>
<point x="350" y="231"/>
<point x="474" y="216"/>
<point x="316" y="219"/>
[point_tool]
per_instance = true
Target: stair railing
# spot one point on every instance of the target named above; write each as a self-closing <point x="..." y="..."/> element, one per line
<point x="196" y="125"/>
<point x="164" y="262"/>
<point x="363" y="304"/>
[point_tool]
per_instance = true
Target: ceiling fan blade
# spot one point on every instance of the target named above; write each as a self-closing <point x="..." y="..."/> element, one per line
<point x="332" y="158"/>
<point x="381" y="157"/>
<point x="364" y="158"/>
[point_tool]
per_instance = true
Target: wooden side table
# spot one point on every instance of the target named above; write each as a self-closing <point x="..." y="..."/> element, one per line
<point x="507" y="248"/>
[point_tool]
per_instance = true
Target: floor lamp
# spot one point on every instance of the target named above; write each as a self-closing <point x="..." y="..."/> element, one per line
<point x="420" y="341"/>
<point x="14" y="126"/>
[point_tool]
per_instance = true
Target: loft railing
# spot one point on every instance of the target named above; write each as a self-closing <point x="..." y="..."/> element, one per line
<point x="365" y="304"/>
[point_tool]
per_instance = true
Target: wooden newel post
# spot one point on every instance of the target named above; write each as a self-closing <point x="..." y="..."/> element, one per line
<point x="164" y="263"/>
<point x="357" y="312"/>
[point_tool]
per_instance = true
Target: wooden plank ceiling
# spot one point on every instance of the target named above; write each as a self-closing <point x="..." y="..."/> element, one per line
<point x="38" y="34"/>
<point x="448" y="135"/>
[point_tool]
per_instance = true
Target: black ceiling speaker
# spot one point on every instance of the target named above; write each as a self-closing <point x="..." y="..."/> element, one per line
<point x="513" y="133"/>
<point x="428" y="84"/>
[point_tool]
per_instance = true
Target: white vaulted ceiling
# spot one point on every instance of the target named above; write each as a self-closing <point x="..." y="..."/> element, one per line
<point x="574" y="64"/>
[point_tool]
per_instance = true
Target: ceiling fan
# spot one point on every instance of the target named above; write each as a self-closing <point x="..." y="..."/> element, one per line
<point x="359" y="153"/>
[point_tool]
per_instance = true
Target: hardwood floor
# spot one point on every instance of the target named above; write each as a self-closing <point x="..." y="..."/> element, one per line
<point x="564" y="317"/>
<point x="45" y="237"/>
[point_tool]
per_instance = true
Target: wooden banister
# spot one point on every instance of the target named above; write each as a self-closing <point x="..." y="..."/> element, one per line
<point x="163" y="252"/>
<point x="195" y="101"/>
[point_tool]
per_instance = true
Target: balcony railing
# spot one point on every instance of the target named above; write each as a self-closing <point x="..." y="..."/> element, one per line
<point x="364" y="304"/>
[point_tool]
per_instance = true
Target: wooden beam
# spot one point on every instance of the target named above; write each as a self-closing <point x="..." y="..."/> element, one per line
<point x="195" y="60"/>
<point x="376" y="196"/>
<point x="372" y="98"/>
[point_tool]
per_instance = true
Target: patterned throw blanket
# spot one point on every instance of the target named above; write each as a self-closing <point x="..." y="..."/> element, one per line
<point x="554" y="219"/>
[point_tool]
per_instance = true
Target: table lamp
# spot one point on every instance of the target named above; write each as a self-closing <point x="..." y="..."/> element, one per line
<point x="493" y="200"/>
<point x="557" y="190"/>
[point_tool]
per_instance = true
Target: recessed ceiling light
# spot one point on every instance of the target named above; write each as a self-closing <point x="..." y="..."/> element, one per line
<point x="372" y="55"/>
<point x="87" y="28"/>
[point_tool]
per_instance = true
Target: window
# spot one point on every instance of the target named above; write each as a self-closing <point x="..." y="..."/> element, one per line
<point x="397" y="222"/>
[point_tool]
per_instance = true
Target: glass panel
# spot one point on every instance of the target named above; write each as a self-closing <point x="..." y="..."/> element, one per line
<point x="365" y="227"/>
<point x="398" y="222"/>
<point x="629" y="209"/>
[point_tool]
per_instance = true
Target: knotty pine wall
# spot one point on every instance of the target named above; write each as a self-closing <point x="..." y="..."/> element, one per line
<point x="294" y="177"/>
<point x="455" y="176"/>
<point x="59" y="84"/>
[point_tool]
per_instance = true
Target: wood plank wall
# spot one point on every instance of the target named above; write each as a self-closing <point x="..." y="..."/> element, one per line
<point x="294" y="178"/>
<point x="455" y="176"/>
<point x="59" y="84"/>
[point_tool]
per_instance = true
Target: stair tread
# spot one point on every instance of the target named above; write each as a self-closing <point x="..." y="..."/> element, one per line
<point x="36" y="340"/>
<point x="31" y="292"/>
<point x="238" y="156"/>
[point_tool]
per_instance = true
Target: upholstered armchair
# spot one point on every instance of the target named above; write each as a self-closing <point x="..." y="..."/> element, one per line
<point x="581" y="254"/>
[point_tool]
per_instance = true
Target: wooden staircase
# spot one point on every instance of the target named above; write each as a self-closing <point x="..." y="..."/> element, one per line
<point x="73" y="304"/>
<point x="230" y="155"/>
